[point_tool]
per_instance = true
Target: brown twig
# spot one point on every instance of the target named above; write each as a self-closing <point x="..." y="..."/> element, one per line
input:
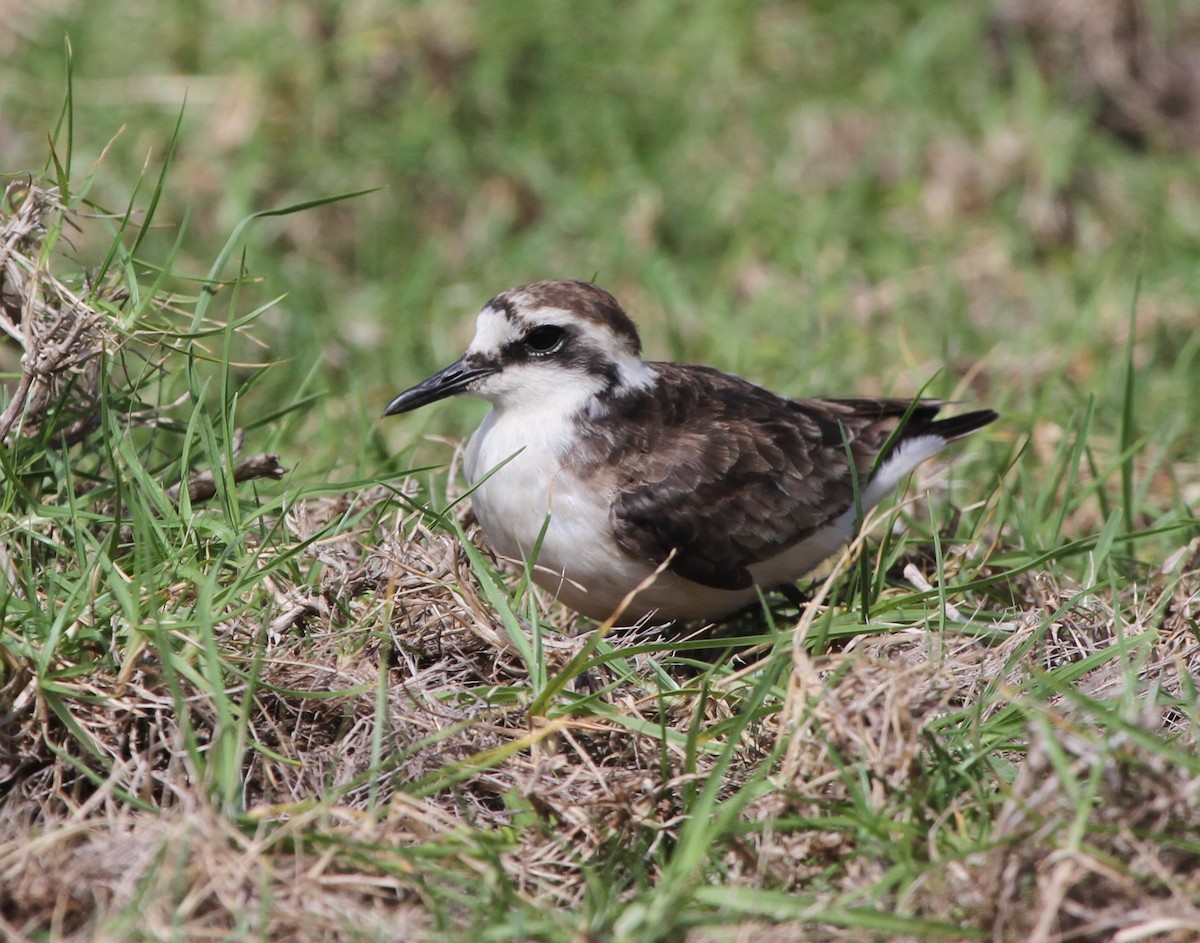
<point x="202" y="486"/>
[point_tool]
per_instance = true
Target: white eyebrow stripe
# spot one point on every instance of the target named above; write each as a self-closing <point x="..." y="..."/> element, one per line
<point x="492" y="331"/>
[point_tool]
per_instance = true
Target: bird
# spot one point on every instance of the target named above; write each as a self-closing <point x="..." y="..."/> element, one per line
<point x="657" y="491"/>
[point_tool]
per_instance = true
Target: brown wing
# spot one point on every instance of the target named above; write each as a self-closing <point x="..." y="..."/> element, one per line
<point x="727" y="474"/>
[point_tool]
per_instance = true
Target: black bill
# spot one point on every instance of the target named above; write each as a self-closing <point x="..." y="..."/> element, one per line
<point x="446" y="382"/>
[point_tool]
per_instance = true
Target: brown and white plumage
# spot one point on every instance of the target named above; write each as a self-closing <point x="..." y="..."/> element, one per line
<point x="625" y="463"/>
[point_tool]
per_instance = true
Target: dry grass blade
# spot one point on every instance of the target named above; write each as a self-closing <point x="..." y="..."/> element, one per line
<point x="61" y="337"/>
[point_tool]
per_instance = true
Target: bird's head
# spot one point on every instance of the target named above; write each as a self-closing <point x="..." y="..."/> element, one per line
<point x="566" y="342"/>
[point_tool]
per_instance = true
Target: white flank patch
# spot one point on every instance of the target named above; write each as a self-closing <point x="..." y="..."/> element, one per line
<point x="904" y="458"/>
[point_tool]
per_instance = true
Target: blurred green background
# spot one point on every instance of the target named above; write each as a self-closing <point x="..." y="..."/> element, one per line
<point x="825" y="197"/>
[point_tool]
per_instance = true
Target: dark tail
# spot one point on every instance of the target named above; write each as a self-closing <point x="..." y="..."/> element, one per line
<point x="956" y="426"/>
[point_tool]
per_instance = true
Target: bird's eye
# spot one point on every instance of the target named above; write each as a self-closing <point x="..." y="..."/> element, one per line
<point x="545" y="339"/>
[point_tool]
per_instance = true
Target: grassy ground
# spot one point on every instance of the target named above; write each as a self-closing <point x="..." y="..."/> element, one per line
<point x="257" y="681"/>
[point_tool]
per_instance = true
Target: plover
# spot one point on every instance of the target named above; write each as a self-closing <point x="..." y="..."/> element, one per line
<point x="609" y="465"/>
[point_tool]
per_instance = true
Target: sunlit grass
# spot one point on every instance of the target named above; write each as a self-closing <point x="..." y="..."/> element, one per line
<point x="316" y="707"/>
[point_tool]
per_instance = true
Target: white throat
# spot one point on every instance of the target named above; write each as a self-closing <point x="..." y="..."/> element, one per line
<point x="539" y="392"/>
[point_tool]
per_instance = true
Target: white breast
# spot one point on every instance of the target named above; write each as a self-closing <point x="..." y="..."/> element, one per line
<point x="515" y="467"/>
<point x="521" y="470"/>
